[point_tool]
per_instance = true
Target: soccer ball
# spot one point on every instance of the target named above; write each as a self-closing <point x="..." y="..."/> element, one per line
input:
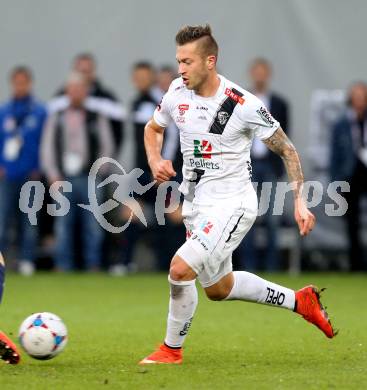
<point x="43" y="335"/>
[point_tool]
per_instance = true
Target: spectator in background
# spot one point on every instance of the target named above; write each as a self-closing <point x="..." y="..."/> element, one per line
<point x="21" y="122"/>
<point x="101" y="99"/>
<point x="266" y="167"/>
<point x="349" y="163"/>
<point x="147" y="97"/>
<point x="75" y="136"/>
<point x="172" y="234"/>
<point x="143" y="106"/>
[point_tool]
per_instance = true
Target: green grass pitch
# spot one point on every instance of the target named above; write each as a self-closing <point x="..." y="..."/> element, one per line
<point x="114" y="322"/>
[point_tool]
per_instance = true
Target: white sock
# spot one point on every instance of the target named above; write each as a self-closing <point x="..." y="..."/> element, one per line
<point x="182" y="305"/>
<point x="249" y="287"/>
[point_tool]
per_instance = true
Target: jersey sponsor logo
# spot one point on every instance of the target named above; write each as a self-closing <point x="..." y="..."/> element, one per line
<point x="223" y="117"/>
<point x="197" y="174"/>
<point x="234" y="96"/>
<point x="206" y="227"/>
<point x="249" y="168"/>
<point x="225" y="110"/>
<point x="202" y="108"/>
<point x="203" y="164"/>
<point x="202" y="148"/>
<point x="188" y="234"/>
<point x="182" y="108"/>
<point x="203" y="152"/>
<point x="202" y="240"/>
<point x="265" y="116"/>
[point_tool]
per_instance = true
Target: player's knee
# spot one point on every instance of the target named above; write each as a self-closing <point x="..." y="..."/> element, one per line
<point x="178" y="272"/>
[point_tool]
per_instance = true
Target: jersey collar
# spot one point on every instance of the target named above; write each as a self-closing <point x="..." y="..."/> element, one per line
<point x="219" y="92"/>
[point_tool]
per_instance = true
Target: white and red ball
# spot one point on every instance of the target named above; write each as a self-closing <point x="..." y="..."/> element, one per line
<point x="43" y="335"/>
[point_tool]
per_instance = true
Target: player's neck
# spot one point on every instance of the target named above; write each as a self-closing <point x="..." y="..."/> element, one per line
<point x="209" y="87"/>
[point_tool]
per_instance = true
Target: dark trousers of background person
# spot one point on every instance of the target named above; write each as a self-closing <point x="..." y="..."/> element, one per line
<point x="168" y="238"/>
<point x="128" y="241"/>
<point x="358" y="188"/>
<point x="164" y="240"/>
<point x="136" y="229"/>
<point x="91" y="233"/>
<point x="9" y="214"/>
<point x="248" y="253"/>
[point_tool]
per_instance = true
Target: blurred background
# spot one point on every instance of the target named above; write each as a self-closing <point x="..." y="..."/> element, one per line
<point x="104" y="66"/>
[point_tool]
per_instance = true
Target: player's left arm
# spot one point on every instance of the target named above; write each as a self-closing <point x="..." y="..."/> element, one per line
<point x="280" y="144"/>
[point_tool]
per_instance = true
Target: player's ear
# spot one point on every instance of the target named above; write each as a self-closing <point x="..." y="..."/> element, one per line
<point x="211" y="61"/>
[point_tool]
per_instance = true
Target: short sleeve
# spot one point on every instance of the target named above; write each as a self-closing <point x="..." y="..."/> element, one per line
<point x="259" y="119"/>
<point x="162" y="114"/>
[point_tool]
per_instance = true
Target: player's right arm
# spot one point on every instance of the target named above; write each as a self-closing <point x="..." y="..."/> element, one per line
<point x="269" y="131"/>
<point x="162" y="170"/>
<point x="280" y="144"/>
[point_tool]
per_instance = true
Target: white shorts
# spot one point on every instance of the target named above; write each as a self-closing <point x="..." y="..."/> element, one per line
<point x="213" y="233"/>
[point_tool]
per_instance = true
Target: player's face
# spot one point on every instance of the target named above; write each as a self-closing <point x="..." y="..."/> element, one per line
<point x="192" y="65"/>
<point x="21" y="85"/>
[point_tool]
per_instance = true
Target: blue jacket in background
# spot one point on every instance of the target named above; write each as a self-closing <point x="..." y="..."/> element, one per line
<point x="21" y="119"/>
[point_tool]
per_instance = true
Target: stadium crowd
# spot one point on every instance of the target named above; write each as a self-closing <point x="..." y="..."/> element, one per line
<point x="61" y="139"/>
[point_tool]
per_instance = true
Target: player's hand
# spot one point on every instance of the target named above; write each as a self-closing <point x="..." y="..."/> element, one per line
<point x="304" y="218"/>
<point x="162" y="170"/>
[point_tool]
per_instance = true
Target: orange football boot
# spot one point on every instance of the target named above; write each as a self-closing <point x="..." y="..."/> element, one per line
<point x="308" y="305"/>
<point x="8" y="350"/>
<point x="164" y="355"/>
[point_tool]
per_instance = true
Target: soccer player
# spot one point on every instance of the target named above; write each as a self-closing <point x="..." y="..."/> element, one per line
<point x="8" y="350"/>
<point x="217" y="121"/>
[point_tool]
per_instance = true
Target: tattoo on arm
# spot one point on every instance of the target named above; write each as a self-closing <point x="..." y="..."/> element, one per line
<point x="280" y="144"/>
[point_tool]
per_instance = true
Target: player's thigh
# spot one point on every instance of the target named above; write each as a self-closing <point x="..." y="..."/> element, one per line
<point x="233" y="233"/>
<point x="234" y="230"/>
<point x="213" y="234"/>
<point x="2" y="261"/>
<point x="219" y="286"/>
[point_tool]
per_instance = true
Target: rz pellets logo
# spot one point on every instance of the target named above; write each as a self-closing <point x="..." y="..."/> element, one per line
<point x="202" y="149"/>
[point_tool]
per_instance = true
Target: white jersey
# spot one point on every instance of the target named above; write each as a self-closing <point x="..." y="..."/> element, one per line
<point x="216" y="135"/>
